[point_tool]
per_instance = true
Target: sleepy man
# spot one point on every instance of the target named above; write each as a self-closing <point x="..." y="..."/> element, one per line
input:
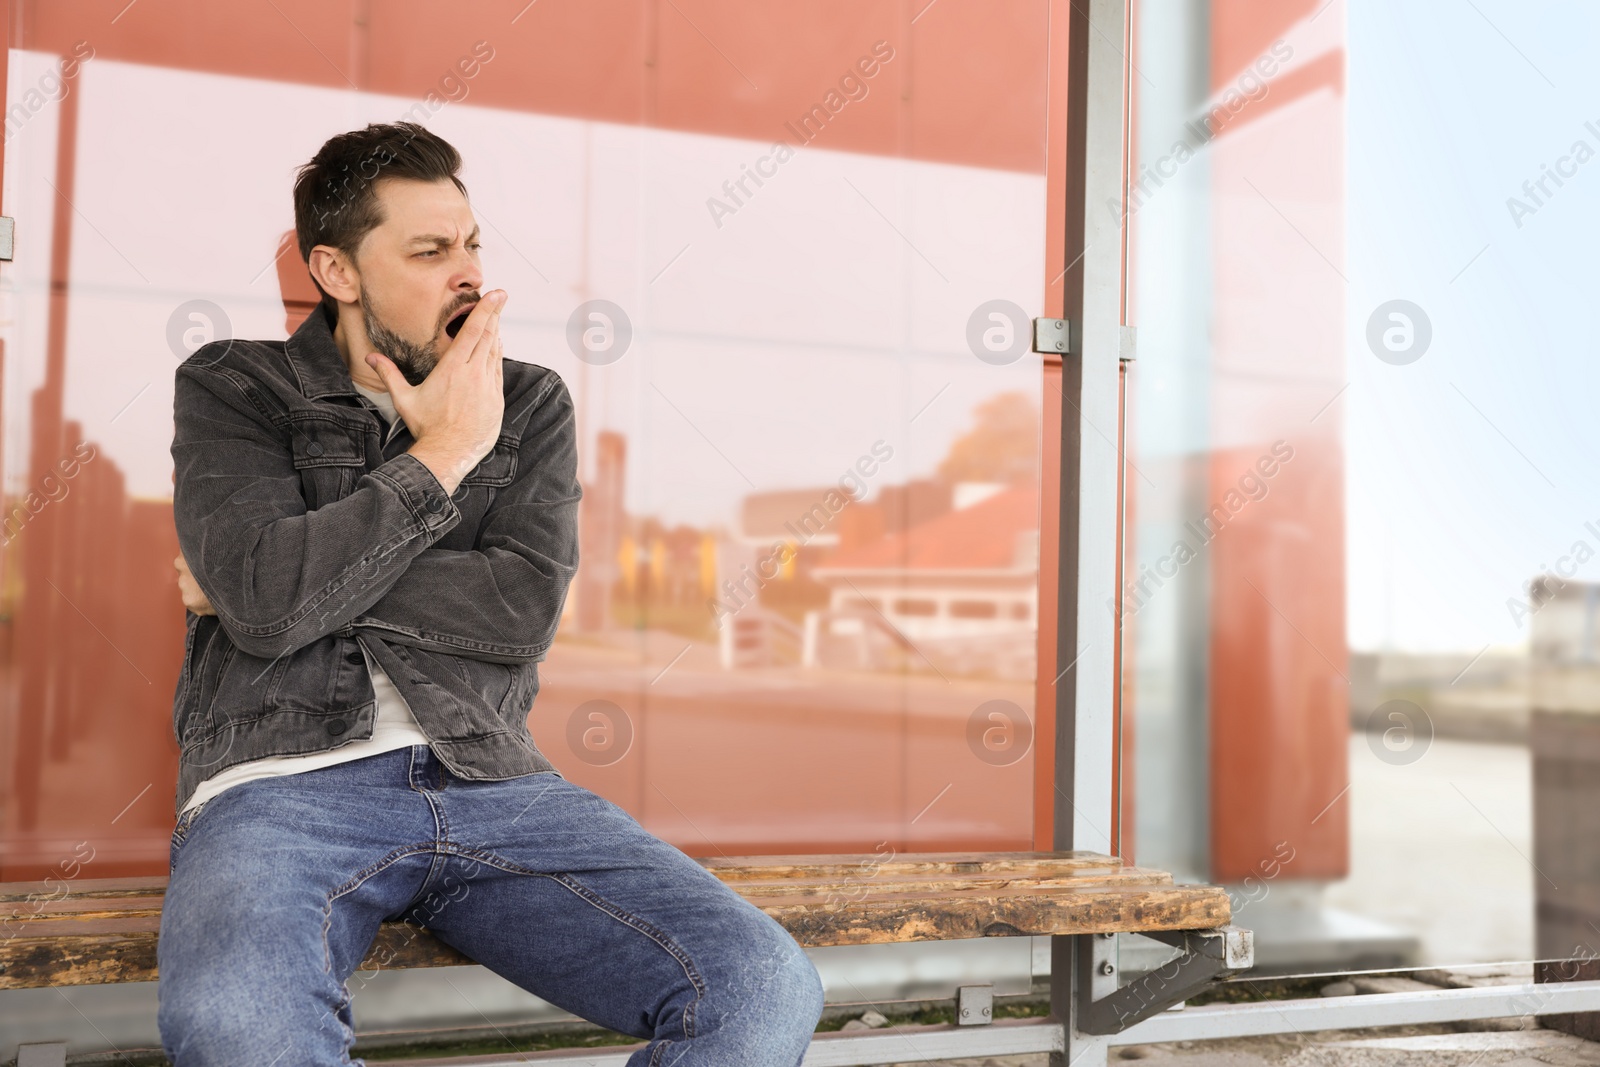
<point x="378" y="526"/>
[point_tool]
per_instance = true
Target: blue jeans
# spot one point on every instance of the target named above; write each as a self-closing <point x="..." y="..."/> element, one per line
<point x="279" y="884"/>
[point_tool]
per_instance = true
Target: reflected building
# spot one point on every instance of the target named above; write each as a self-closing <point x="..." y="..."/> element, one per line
<point x="961" y="588"/>
<point x="600" y="523"/>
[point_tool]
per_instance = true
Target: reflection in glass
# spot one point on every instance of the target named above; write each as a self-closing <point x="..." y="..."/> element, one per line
<point x="810" y="530"/>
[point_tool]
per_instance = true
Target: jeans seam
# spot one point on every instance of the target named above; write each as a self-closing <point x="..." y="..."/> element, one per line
<point x="622" y="915"/>
<point x="650" y="930"/>
<point x="354" y="883"/>
<point x="441" y="830"/>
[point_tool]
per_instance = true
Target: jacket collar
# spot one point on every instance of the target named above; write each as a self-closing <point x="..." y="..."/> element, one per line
<point x="315" y="358"/>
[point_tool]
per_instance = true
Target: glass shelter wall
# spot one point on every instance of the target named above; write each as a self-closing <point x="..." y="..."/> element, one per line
<point x="784" y="260"/>
<point x="1362" y="580"/>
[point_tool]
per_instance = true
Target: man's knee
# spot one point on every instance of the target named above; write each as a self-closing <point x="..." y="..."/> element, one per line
<point x="199" y="1028"/>
<point x="789" y="1006"/>
<point x="776" y="998"/>
<point x="204" y="1022"/>
<point x="249" y="990"/>
<point x="799" y="988"/>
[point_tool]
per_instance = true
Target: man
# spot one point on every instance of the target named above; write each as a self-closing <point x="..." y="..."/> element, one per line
<point x="377" y="524"/>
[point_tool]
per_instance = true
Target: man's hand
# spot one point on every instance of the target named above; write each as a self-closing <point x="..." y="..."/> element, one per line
<point x="193" y="598"/>
<point x="456" y="413"/>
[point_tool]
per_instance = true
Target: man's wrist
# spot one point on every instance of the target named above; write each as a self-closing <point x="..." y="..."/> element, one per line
<point x="447" y="466"/>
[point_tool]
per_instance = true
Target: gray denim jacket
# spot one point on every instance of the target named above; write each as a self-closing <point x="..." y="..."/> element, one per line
<point x="313" y="537"/>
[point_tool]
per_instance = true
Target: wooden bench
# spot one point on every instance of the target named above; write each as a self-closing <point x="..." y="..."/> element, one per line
<point x="98" y="931"/>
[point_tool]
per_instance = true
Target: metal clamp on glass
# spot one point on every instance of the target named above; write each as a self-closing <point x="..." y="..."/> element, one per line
<point x="1053" y="336"/>
<point x="1059" y="337"/>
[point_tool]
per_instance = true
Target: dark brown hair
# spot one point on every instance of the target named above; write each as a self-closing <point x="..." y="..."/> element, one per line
<point x="335" y="196"/>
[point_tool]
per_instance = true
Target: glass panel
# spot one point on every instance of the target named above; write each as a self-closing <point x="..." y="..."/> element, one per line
<point x="1359" y="432"/>
<point x="784" y="260"/>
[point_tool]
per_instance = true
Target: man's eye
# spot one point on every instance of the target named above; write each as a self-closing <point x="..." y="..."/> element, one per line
<point x="428" y="253"/>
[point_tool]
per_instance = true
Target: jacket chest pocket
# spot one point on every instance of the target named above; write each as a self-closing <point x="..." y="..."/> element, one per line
<point x="330" y="457"/>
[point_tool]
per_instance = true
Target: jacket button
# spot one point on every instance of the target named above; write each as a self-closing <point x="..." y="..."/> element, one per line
<point x="337" y="727"/>
<point x="314" y="449"/>
<point x="434" y="503"/>
<point x="356" y="657"/>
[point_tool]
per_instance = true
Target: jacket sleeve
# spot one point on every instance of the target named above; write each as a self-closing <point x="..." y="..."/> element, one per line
<point x="279" y="576"/>
<point x="501" y="601"/>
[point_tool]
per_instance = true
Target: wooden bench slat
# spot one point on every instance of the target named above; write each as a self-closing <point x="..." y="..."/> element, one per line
<point x="944" y="918"/>
<point x="814" y="892"/>
<point x="105" y="930"/>
<point x="728" y="868"/>
<point x="856" y="890"/>
<point x="762" y="868"/>
<point x="22" y="892"/>
<point x="93" y="906"/>
<point x="73" y="926"/>
<point x="86" y="907"/>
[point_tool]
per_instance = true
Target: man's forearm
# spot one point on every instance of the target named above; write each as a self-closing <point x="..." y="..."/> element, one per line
<point x="502" y="600"/>
<point x="277" y="575"/>
<point x="501" y="605"/>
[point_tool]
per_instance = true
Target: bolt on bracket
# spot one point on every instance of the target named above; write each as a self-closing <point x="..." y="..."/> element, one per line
<point x="1053" y="337"/>
<point x="975" y="1005"/>
<point x="1206" y="956"/>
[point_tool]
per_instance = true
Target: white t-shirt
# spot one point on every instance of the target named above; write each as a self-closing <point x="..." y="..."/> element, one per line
<point x="393" y="727"/>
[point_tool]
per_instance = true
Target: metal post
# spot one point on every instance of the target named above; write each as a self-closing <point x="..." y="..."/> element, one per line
<point x="1086" y="631"/>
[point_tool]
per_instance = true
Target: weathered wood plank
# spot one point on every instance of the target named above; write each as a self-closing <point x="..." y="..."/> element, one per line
<point x="822" y="890"/>
<point x="83" y="907"/>
<point x="105" y="930"/>
<point x="767" y="868"/>
<point x="92" y="959"/>
<point x="892" y="920"/>
<point x="14" y="892"/>
<point x="728" y="868"/>
<point x="845" y="890"/>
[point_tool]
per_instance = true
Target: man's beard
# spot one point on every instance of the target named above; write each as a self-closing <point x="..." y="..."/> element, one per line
<point x="414" y="361"/>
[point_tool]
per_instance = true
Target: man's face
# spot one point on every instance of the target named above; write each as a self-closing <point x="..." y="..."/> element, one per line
<point x="419" y="271"/>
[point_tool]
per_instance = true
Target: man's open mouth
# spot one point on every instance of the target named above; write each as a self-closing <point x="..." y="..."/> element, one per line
<point x="453" y="327"/>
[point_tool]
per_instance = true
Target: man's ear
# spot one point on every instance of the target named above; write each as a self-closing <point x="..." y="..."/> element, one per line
<point x="334" y="271"/>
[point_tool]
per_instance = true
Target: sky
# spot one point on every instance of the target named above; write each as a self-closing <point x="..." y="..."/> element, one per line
<point x="1472" y="468"/>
